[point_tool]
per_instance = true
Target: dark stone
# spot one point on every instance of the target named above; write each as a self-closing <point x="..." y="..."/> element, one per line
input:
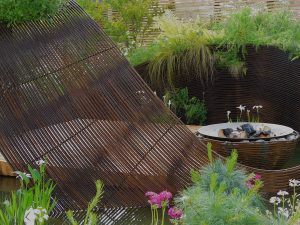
<point x="227" y="131"/>
<point x="249" y="129"/>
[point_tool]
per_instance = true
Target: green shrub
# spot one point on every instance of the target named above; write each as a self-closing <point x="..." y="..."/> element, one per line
<point x="16" y="11"/>
<point x="126" y="21"/>
<point x="190" y="110"/>
<point x="215" y="208"/>
<point x="219" y="196"/>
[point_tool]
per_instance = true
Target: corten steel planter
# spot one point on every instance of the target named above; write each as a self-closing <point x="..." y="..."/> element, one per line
<point x="264" y="153"/>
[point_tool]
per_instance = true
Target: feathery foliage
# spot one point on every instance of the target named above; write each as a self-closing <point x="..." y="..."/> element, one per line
<point x="220" y="196"/>
<point x="180" y="48"/>
<point x="188" y="49"/>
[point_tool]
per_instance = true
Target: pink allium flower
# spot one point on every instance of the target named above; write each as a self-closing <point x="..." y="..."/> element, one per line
<point x="175" y="213"/>
<point x="165" y="195"/>
<point x="155" y="200"/>
<point x="257" y="177"/>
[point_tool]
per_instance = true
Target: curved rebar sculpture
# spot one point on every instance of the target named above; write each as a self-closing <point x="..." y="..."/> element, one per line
<point x="68" y="95"/>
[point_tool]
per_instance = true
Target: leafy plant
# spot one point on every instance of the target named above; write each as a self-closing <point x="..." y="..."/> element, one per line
<point x="32" y="202"/>
<point x="190" y="110"/>
<point x="126" y="21"/>
<point x="17" y="11"/>
<point x="91" y="217"/>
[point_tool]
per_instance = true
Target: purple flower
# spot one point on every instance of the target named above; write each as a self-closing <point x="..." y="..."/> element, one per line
<point x="175" y="213"/>
<point x="257" y="177"/>
<point x="155" y="200"/>
<point x="165" y="196"/>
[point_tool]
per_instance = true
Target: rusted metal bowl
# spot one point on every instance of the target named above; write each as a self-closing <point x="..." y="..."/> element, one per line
<point x="266" y="153"/>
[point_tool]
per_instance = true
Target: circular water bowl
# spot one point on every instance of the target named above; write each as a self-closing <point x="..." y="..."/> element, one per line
<point x="266" y="153"/>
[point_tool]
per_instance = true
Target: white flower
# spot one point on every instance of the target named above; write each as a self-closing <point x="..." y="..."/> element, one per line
<point x="275" y="200"/>
<point x="6" y="203"/>
<point x="40" y="162"/>
<point x="30" y="216"/>
<point x="284" y="212"/>
<point x="228" y="113"/>
<point x="248" y="111"/>
<point x="294" y="183"/>
<point x="257" y="107"/>
<point x="241" y="108"/>
<point x="169" y="103"/>
<point x="282" y="193"/>
<point x="19" y="175"/>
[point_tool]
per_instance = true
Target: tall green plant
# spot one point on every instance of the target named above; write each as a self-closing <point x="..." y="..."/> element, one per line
<point x="32" y="202"/>
<point x="91" y="217"/>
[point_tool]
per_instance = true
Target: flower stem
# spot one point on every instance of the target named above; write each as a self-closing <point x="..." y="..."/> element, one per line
<point x="152" y="215"/>
<point x="163" y="216"/>
<point x="156" y="216"/>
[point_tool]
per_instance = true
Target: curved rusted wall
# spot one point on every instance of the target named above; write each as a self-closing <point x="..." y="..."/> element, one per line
<point x="272" y="80"/>
<point x="69" y="95"/>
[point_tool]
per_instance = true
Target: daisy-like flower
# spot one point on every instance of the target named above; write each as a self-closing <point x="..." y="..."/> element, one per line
<point x="19" y="174"/>
<point x="275" y="200"/>
<point x="40" y="162"/>
<point x="282" y="193"/>
<point x="241" y="108"/>
<point x="294" y="183"/>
